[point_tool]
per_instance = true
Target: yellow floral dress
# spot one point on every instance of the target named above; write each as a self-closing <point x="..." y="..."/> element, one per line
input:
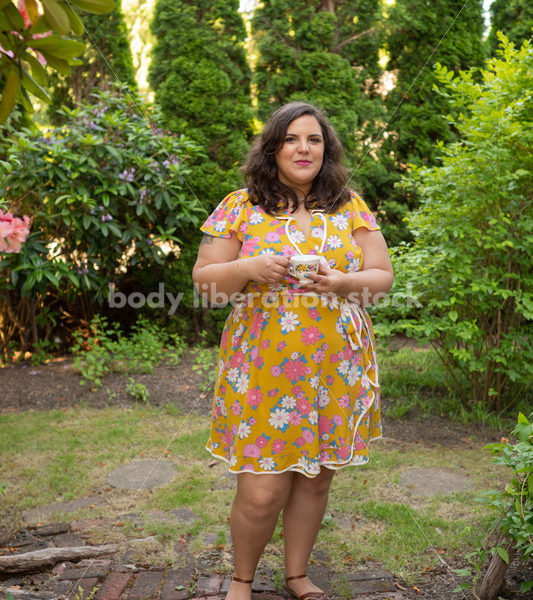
<point x="297" y="379"/>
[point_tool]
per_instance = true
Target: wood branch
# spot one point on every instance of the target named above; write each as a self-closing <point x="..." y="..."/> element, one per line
<point x="38" y="559"/>
<point x="494" y="577"/>
<point x="353" y="38"/>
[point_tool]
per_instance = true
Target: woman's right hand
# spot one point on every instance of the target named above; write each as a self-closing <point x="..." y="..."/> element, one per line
<point x="268" y="268"/>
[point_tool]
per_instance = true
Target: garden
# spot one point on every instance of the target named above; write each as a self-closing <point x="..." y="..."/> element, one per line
<point x="109" y="164"/>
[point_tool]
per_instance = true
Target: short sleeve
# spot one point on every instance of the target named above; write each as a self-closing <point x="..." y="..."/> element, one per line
<point x="228" y="216"/>
<point x="362" y="217"/>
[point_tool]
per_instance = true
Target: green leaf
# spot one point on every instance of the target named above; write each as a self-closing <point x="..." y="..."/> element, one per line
<point x="59" y="64"/>
<point x="58" y="46"/>
<point x="75" y="22"/>
<point x="522" y="418"/>
<point x="9" y="95"/>
<point x="37" y="70"/>
<point x="526" y="586"/>
<point x="56" y="17"/>
<point x="504" y="555"/>
<point x="34" y="88"/>
<point x="95" y="6"/>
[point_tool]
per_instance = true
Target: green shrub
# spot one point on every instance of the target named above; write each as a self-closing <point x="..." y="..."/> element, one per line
<point x="469" y="267"/>
<point x="108" y="199"/>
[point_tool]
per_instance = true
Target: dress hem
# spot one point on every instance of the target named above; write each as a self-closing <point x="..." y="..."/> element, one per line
<point x="333" y="466"/>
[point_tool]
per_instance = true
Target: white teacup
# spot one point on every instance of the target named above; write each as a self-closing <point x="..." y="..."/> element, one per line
<point x="302" y="265"/>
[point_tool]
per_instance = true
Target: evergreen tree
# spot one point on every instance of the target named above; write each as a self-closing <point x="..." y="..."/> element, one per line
<point x="326" y="53"/>
<point x="201" y="80"/>
<point x="107" y="57"/>
<point x="420" y="34"/>
<point x="514" y="18"/>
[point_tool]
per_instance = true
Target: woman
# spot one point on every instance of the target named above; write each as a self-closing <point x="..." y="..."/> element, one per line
<point x="297" y="393"/>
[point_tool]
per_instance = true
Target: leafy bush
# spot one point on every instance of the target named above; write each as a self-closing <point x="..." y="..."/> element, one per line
<point x="513" y="507"/>
<point x="470" y="263"/>
<point x="107" y="350"/>
<point x="108" y="198"/>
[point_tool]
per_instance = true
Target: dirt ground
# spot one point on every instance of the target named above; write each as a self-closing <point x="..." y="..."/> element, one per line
<point x="56" y="385"/>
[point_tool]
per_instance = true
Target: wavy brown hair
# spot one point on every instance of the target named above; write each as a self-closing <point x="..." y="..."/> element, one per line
<point x="329" y="190"/>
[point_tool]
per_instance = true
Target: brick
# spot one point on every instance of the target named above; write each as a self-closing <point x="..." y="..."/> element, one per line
<point x="208" y="585"/>
<point x="86" y="585"/>
<point x="177" y="578"/>
<point x="87" y="573"/>
<point x="113" y="586"/>
<point x="146" y="585"/>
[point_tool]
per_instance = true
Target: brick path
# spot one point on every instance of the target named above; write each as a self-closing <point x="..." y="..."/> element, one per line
<point x="102" y="579"/>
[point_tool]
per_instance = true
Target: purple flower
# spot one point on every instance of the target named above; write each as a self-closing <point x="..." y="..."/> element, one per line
<point x="100" y="207"/>
<point x="143" y="193"/>
<point x="128" y="175"/>
<point x="91" y="125"/>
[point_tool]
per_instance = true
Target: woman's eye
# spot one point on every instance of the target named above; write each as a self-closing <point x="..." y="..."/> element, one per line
<point x="290" y="139"/>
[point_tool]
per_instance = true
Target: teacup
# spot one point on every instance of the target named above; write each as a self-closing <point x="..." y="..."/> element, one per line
<point x="302" y="265"/>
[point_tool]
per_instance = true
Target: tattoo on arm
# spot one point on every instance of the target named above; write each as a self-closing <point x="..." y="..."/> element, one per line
<point x="207" y="239"/>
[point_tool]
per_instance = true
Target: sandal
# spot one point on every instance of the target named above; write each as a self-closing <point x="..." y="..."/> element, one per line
<point x="239" y="580"/>
<point x="307" y="595"/>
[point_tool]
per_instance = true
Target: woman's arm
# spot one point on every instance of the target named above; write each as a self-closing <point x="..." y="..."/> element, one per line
<point x="366" y="286"/>
<point x="218" y="274"/>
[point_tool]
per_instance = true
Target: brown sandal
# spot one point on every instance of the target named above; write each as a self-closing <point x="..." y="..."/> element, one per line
<point x="307" y="595"/>
<point x="239" y="580"/>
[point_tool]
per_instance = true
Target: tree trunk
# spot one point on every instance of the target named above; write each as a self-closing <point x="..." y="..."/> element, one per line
<point x="38" y="559"/>
<point x="494" y="578"/>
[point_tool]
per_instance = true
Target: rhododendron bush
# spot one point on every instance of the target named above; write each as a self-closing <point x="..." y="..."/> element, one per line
<point x="107" y="200"/>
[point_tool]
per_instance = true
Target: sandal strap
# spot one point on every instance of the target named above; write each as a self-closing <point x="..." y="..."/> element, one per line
<point x="295" y="577"/>
<point x="315" y="595"/>
<point x="240" y="580"/>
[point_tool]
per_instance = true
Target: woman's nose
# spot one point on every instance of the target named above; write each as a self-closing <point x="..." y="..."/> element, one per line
<point x="303" y="146"/>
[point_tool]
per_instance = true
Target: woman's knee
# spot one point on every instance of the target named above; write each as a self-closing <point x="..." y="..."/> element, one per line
<point x="260" y="497"/>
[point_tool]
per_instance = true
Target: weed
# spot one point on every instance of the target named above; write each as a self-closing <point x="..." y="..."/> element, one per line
<point x="105" y="350"/>
<point x="138" y="391"/>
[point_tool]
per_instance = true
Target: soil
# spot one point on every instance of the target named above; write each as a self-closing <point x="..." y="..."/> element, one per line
<point x="56" y="385"/>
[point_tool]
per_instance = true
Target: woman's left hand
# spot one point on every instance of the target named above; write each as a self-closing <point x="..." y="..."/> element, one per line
<point x="326" y="281"/>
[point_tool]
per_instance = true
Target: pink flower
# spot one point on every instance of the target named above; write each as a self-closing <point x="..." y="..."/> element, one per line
<point x="334" y="358"/>
<point x="13" y="232"/>
<point x="299" y="441"/>
<point x="318" y="356"/>
<point x="261" y="441"/>
<point x="337" y="419"/>
<point x="324" y="424"/>
<point x="313" y="313"/>
<point x="295" y="418"/>
<point x="344" y="452"/>
<point x="297" y="390"/>
<point x="281" y="345"/>
<point x="265" y="344"/>
<point x="24" y="13"/>
<point x="308" y="435"/>
<point x="252" y="450"/>
<point x="344" y="401"/>
<point x="294" y="370"/>
<point x="237" y="359"/>
<point x="275" y="371"/>
<point x="273" y="392"/>
<point x="303" y="406"/>
<point x="288" y="250"/>
<point x="311" y="335"/>
<point x="278" y="446"/>
<point x="258" y="362"/>
<point x="254" y="397"/>
<point x="236" y="408"/>
<point x="272" y="236"/>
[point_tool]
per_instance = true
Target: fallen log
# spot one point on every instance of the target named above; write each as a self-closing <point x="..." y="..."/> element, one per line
<point x="39" y="559"/>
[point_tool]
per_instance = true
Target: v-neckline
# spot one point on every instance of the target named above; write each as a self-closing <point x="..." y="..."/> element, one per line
<point x="300" y="228"/>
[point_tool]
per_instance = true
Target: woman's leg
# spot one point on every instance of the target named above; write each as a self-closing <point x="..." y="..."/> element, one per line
<point x="254" y="515"/>
<point x="302" y="517"/>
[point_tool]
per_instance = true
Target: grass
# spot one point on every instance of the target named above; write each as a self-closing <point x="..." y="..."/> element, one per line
<point x="55" y="456"/>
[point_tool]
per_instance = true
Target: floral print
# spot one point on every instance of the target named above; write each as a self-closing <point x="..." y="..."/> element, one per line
<point x="297" y="379"/>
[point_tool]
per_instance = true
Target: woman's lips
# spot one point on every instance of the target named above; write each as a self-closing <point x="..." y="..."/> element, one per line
<point x="303" y="163"/>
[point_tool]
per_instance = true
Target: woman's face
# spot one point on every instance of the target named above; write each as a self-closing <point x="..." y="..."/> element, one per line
<point x="300" y="157"/>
